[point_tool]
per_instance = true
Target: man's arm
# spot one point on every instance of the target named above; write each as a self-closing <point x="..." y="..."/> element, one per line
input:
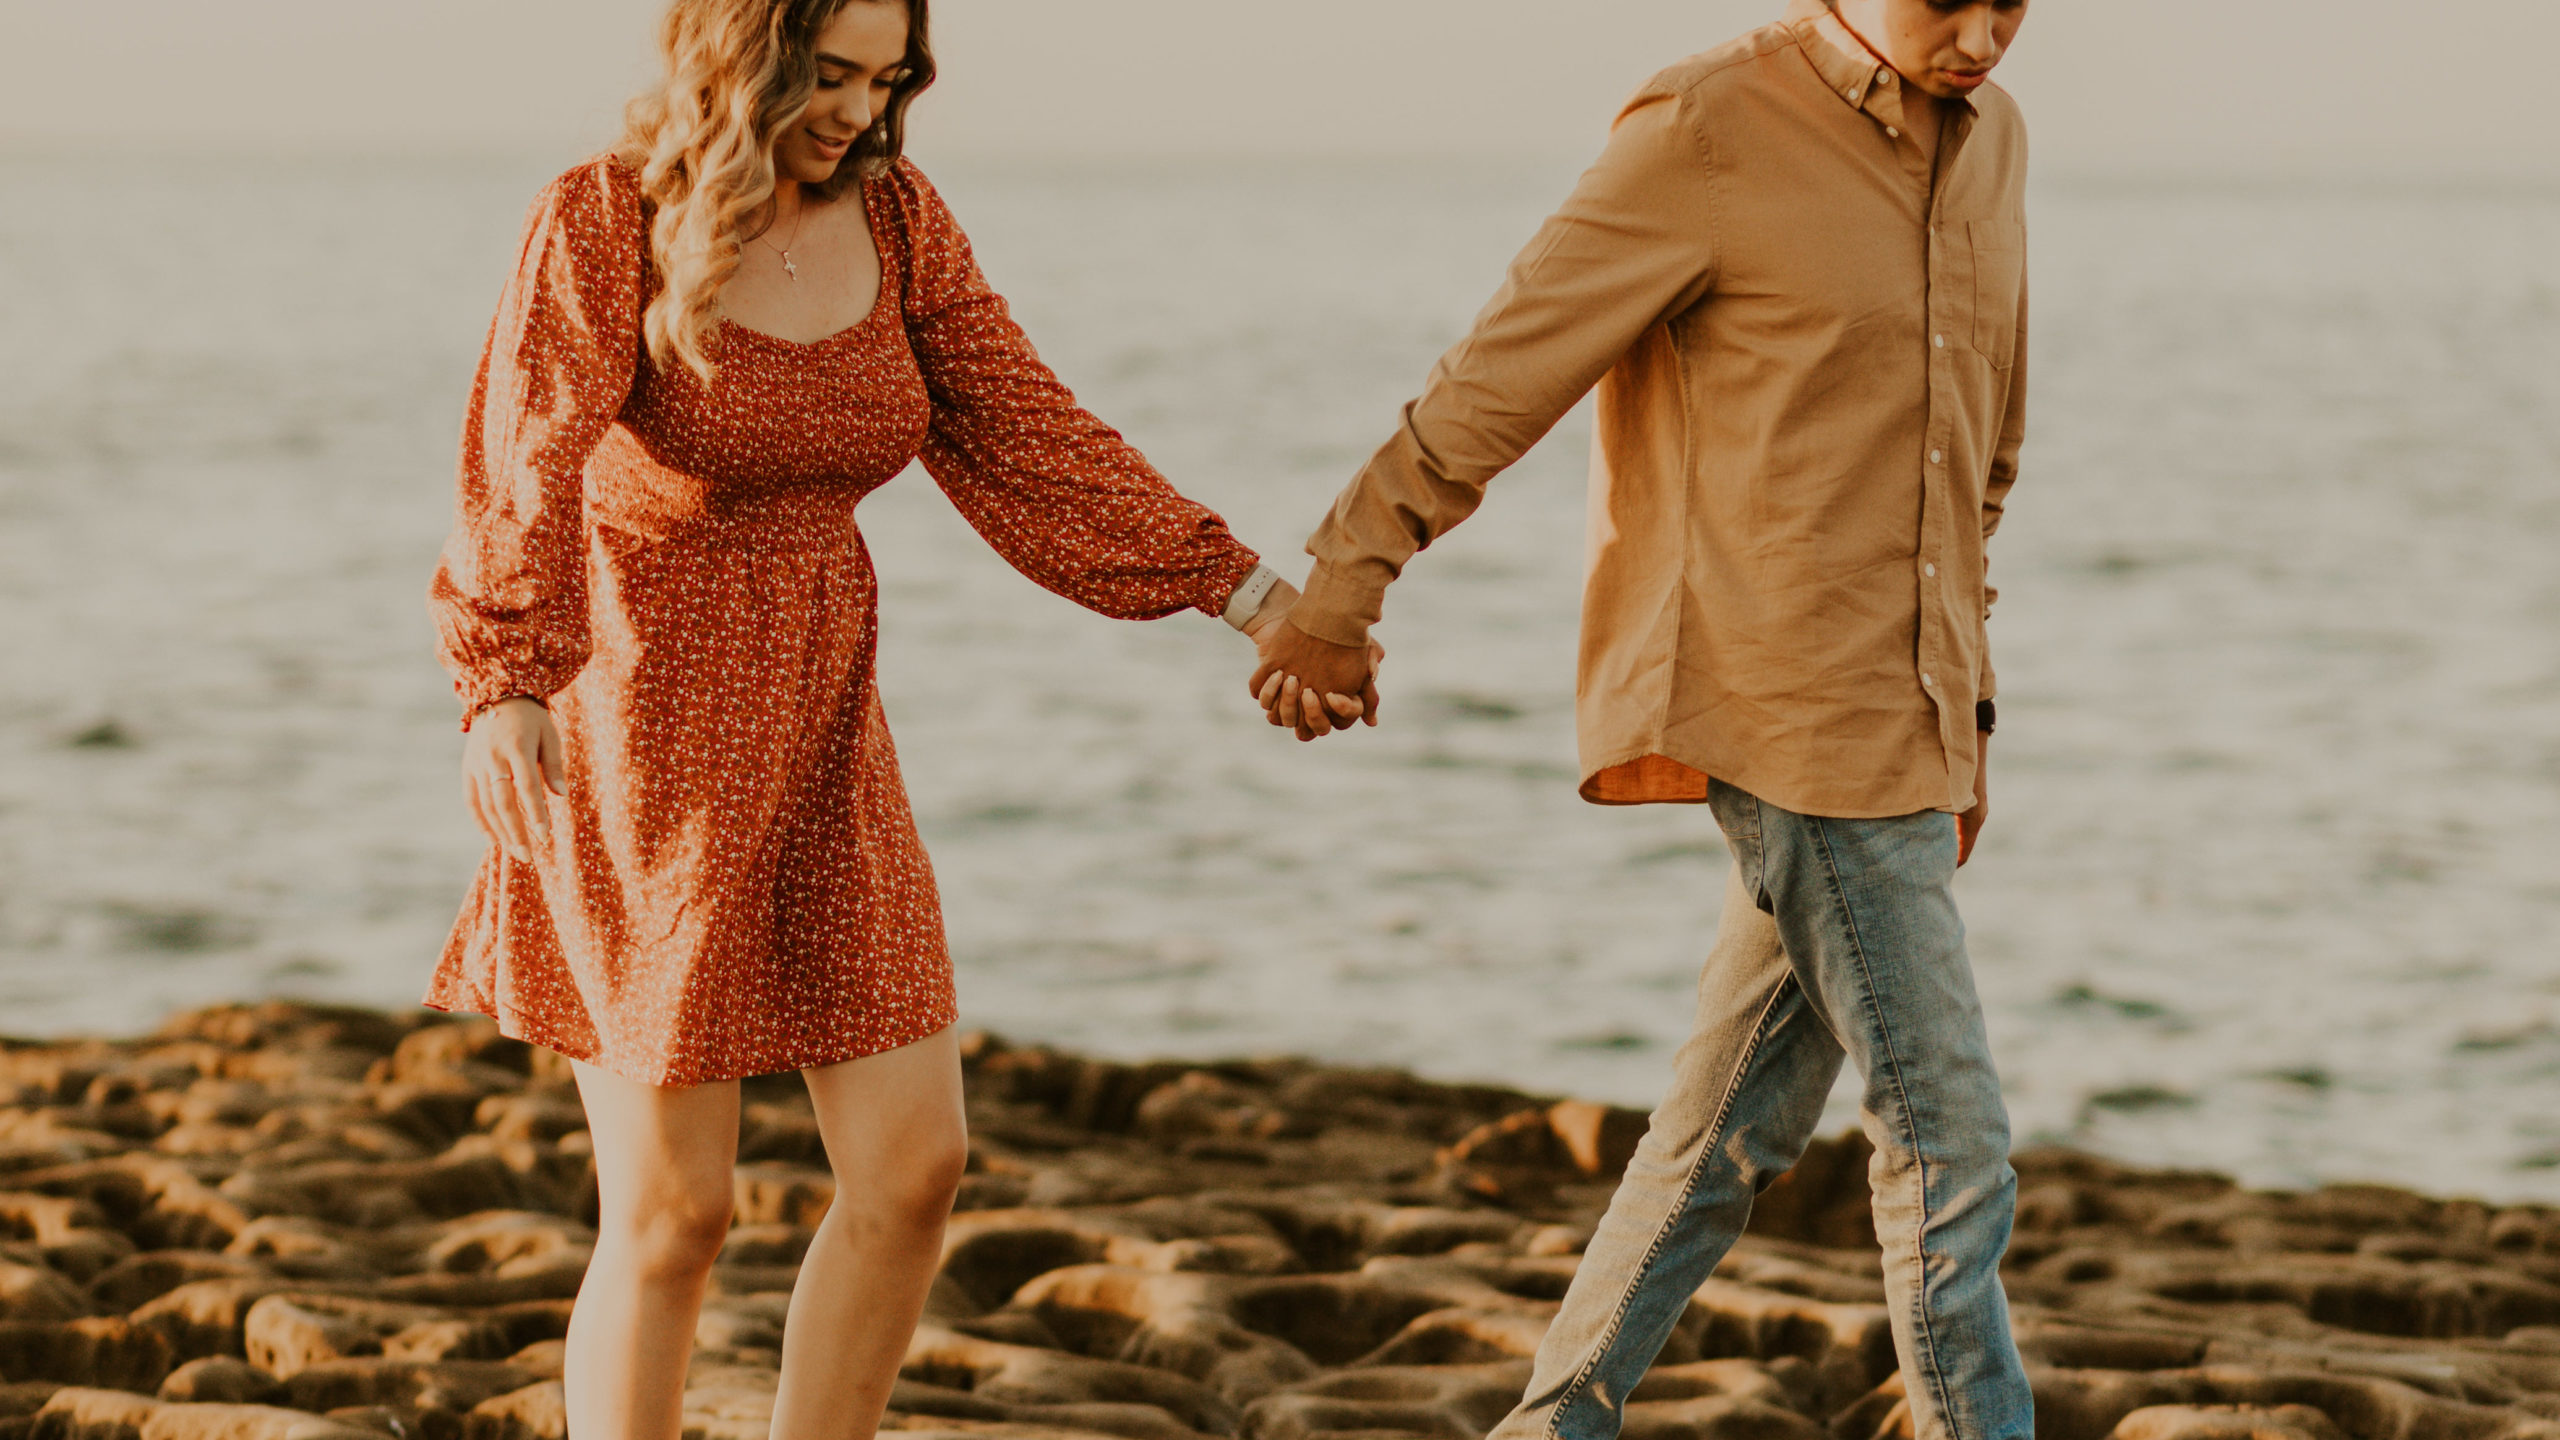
<point x="2003" y="477"/>
<point x="1632" y="246"/>
<point x="1995" y="501"/>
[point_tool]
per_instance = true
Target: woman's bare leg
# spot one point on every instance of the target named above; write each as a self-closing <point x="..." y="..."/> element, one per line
<point x="664" y="1166"/>
<point x="899" y="1140"/>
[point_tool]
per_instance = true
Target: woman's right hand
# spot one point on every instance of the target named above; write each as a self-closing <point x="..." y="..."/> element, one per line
<point x="510" y="759"/>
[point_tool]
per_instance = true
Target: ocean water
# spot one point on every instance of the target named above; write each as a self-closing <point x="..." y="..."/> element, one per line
<point x="2274" y="874"/>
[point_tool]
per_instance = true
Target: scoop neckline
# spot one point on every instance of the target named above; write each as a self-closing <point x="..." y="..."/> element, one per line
<point x="879" y="301"/>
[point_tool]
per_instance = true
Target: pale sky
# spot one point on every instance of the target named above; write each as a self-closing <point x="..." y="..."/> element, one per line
<point x="2335" y="86"/>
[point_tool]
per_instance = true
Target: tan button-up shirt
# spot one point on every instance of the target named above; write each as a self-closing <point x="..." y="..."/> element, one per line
<point x="1811" y="364"/>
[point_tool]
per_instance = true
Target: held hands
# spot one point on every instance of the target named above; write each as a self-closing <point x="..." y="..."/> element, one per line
<point x="1309" y="685"/>
<point x="509" y="762"/>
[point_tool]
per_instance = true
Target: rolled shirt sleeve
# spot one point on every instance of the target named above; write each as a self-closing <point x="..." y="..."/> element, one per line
<point x="1631" y="246"/>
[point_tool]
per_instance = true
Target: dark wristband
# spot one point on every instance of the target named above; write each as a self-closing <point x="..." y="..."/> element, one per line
<point x="1986" y="716"/>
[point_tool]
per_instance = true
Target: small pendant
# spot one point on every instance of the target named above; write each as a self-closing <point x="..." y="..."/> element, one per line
<point x="788" y="268"/>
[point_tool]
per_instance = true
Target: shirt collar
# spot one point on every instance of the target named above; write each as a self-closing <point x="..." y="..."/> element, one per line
<point x="1842" y="59"/>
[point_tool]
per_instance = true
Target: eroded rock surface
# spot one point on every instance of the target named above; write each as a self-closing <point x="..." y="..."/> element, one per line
<point x="294" y="1223"/>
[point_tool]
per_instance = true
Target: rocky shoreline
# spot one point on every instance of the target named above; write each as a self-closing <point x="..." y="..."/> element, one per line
<point x="285" y="1222"/>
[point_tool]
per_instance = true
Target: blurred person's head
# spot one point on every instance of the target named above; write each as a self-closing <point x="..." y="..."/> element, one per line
<point x="1948" y="48"/>
<point x="761" y="95"/>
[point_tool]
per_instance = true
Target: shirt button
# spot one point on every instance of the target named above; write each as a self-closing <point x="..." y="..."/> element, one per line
<point x="1929" y="680"/>
<point x="1937" y="457"/>
<point x="1939" y="340"/>
<point x="1929" y="570"/>
<point x="1890" y="130"/>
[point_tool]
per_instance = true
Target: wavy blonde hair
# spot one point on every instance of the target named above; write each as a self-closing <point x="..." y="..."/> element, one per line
<point x="739" y="73"/>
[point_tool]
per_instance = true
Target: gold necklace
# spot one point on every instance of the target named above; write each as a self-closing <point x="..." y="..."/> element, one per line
<point x="798" y="219"/>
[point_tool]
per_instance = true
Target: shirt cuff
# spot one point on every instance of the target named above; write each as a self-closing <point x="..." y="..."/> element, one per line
<point x="1338" y="607"/>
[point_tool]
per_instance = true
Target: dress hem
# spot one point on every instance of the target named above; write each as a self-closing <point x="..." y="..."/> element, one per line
<point x="513" y="1028"/>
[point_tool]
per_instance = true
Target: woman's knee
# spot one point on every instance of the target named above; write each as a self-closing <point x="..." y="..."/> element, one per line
<point x="675" y="1233"/>
<point x="913" y="1197"/>
<point x="924" y="1195"/>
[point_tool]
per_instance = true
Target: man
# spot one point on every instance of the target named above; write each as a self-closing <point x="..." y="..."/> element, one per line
<point x="1797" y="278"/>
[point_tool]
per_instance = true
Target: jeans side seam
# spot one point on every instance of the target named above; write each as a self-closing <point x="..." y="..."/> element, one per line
<point x="1922" y="1334"/>
<point x="1688" y="1191"/>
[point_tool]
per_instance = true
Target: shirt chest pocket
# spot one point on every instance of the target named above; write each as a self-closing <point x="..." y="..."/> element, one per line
<point x="1999" y="283"/>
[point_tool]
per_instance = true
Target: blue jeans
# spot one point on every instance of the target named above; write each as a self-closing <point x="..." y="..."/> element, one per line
<point x="1840" y="941"/>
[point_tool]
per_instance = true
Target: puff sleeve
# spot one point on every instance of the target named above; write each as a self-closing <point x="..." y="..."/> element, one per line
<point x="1059" y="494"/>
<point x="510" y="596"/>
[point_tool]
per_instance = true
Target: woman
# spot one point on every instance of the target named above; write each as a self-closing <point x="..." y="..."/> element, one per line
<point x="661" y="620"/>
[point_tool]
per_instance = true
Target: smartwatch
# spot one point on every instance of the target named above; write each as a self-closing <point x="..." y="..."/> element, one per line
<point x="1247" y="601"/>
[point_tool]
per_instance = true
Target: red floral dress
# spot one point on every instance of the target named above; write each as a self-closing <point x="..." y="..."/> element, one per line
<point x="734" y="885"/>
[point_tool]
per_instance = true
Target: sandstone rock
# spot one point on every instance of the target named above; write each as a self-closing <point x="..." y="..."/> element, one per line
<point x="433" y="1340"/>
<point x="1786" y="1383"/>
<point x="536" y="1412"/>
<point x="93" y="1414"/>
<point x="206" y="1317"/>
<point x="35" y="1294"/>
<point x="546" y="1358"/>
<point x="394" y="1211"/>
<point x="784" y="1195"/>
<point x="294" y="1027"/>
<point x="76" y="1414"/>
<point x="289" y="1333"/>
<point x="1205" y="1105"/>
<point x="509" y="1241"/>
<point x="911" y="1398"/>
<point x="46" y="1219"/>
<point x="742" y="1323"/>
<point x="1457" y="1400"/>
<point x="430" y="1116"/>
<point x="157" y="1202"/>
<point x="375" y="1196"/>
<point x="2228" y="1422"/>
<point x="1850" y="1347"/>
<point x="728" y="1402"/>
<point x="1459" y="1336"/>
<point x="544" y="1118"/>
<point x="23" y="1399"/>
<point x="105" y="1354"/>
<point x="84" y="1255"/>
<point x="1717" y="1417"/>
<point x="402" y="1422"/>
<point x="1599" y="1139"/>
<point x="473" y="1292"/>
<point x="309" y="1250"/>
<point x="245" y="1422"/>
<point x="465" y="1052"/>
<point x="458" y="1385"/>
<point x="785" y="1134"/>
<point x="1824" y="1200"/>
<point x="220" y="1380"/>
<point x="768" y="1245"/>
<point x="140" y="1279"/>
<point x="1016" y="1375"/>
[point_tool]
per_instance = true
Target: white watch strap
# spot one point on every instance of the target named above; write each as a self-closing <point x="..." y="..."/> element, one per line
<point x="1247" y="601"/>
